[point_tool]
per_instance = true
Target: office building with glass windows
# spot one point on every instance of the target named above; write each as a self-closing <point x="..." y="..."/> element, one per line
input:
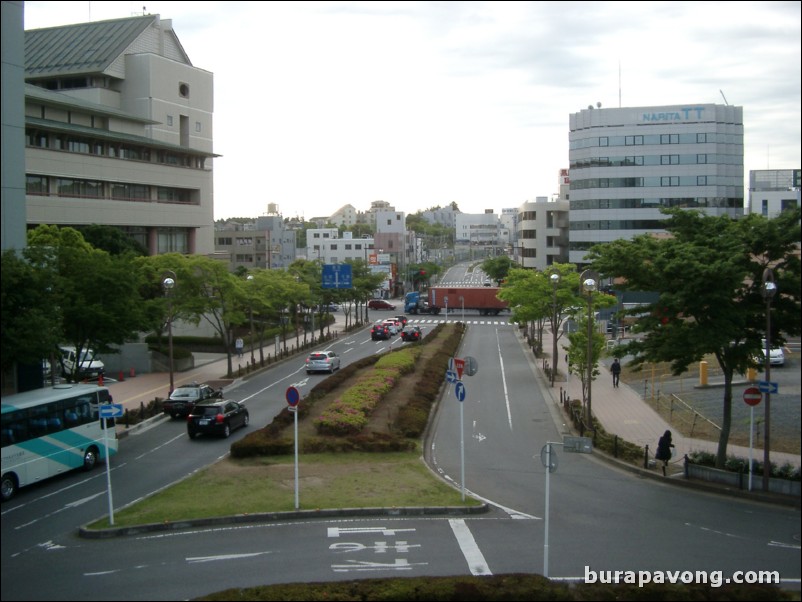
<point x="627" y="164"/>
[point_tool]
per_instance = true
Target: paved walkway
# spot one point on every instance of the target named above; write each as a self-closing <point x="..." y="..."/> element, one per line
<point x="622" y="411"/>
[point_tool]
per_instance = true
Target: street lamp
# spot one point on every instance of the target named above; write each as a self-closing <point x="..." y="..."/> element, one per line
<point x="768" y="292"/>
<point x="555" y="281"/>
<point x="589" y="283"/>
<point x="250" y="312"/>
<point x="168" y="282"/>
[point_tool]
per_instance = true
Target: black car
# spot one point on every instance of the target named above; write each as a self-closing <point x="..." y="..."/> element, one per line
<point x="216" y="417"/>
<point x="380" y="332"/>
<point x="183" y="399"/>
<point x="411" y="334"/>
<point x="402" y="318"/>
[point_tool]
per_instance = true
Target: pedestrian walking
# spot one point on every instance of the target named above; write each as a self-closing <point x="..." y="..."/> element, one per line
<point x="239" y="344"/>
<point x="616" y="371"/>
<point x="664" y="446"/>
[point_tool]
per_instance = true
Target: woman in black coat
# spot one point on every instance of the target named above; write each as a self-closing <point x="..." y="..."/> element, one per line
<point x="664" y="446"/>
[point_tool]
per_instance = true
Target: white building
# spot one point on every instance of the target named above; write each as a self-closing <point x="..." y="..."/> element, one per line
<point x="542" y="233"/>
<point x="478" y="229"/>
<point x="325" y="244"/>
<point x="346" y="215"/>
<point x="772" y="191"/>
<point x="628" y="163"/>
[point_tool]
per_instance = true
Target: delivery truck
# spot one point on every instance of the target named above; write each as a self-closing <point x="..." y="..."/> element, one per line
<point x="440" y="298"/>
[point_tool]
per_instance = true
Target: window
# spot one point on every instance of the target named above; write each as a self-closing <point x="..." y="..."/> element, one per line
<point x="701" y="158"/>
<point x="604" y="141"/>
<point x="669" y="159"/>
<point x="701" y="138"/>
<point x="183" y="90"/>
<point x="170" y="120"/>
<point x="35" y="184"/>
<point x="701" y="180"/>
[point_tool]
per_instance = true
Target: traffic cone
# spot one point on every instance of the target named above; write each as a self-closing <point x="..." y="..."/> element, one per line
<point x="122" y="377"/>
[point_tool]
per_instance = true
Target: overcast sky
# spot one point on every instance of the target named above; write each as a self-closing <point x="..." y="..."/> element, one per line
<point x="319" y="104"/>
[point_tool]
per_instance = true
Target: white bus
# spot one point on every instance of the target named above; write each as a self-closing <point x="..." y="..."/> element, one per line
<point x="46" y="432"/>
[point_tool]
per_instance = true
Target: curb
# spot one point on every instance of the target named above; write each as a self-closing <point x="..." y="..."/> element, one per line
<point x="111" y="532"/>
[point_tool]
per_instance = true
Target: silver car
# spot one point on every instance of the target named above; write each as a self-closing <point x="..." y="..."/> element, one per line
<point x="326" y="361"/>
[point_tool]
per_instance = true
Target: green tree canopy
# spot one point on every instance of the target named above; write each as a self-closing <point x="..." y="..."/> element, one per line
<point x="708" y="275"/>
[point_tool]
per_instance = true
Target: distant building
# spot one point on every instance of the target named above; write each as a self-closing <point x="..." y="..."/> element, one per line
<point x="445" y="216"/>
<point x="772" y="191"/>
<point x="326" y="245"/>
<point x="542" y="233"/>
<point x="266" y="243"/>
<point x="118" y="132"/>
<point x="344" y="216"/>
<point x="628" y="163"/>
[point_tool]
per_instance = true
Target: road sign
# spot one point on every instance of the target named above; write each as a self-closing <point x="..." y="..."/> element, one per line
<point x="337" y="275"/>
<point x="766" y="386"/>
<point x="111" y="410"/>
<point x="578" y="445"/>
<point x="548" y="457"/>
<point x="459" y="391"/>
<point x="293" y="397"/>
<point x="752" y="396"/>
<point x="459" y="366"/>
<point x="451" y="376"/>
<point x="471" y="365"/>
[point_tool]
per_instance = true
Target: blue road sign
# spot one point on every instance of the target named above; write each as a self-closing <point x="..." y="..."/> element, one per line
<point x="451" y="376"/>
<point x="111" y="410"/>
<point x="337" y="275"/>
<point x="766" y="386"/>
<point x="459" y="391"/>
<point x="293" y="396"/>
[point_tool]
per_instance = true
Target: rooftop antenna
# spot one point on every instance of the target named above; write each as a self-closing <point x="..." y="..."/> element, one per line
<point x="724" y="97"/>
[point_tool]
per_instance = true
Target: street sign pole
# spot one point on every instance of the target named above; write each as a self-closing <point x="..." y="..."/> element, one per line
<point x="752" y="397"/>
<point x="293" y="399"/>
<point x="108" y="469"/>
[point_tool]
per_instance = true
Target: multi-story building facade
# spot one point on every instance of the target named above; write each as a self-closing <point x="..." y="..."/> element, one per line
<point x="445" y="216"/>
<point x="326" y="246"/>
<point x="265" y="243"/>
<point x="118" y="132"/>
<point x="347" y="215"/>
<point x="542" y="233"/>
<point x="772" y="191"/>
<point x="628" y="163"/>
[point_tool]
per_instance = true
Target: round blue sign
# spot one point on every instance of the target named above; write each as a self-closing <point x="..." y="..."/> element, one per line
<point x="293" y="397"/>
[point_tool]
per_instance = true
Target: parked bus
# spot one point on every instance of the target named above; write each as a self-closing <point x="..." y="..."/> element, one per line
<point x="46" y="432"/>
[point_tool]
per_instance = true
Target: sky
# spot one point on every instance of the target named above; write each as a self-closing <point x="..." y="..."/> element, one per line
<point x="420" y="104"/>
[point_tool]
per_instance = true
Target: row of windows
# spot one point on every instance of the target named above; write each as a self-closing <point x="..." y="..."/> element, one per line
<point x="22" y="425"/>
<point x="652" y="160"/>
<point x="97" y="189"/>
<point x="655" y="139"/>
<point x="653" y="181"/>
<point x="104" y="148"/>
<point x="656" y="203"/>
<point x="622" y="224"/>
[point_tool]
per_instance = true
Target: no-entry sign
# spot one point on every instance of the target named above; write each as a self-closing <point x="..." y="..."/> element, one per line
<point x="752" y="396"/>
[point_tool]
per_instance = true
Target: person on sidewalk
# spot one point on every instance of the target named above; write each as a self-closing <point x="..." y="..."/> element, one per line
<point x="615" y="369"/>
<point x="664" y="446"/>
<point x="239" y="344"/>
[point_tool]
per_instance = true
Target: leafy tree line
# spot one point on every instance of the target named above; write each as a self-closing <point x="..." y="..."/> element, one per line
<point x="708" y="278"/>
<point x="62" y="290"/>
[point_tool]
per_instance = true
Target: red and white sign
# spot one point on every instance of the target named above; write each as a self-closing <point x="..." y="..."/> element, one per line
<point x="752" y="396"/>
<point x="459" y="366"/>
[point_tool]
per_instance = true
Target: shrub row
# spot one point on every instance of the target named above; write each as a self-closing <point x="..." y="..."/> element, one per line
<point x="734" y="464"/>
<point x="410" y="422"/>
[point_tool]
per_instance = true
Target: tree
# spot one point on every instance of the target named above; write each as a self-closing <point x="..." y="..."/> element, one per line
<point x="112" y="240"/>
<point x="97" y="294"/>
<point x="497" y="267"/>
<point x="708" y="277"/>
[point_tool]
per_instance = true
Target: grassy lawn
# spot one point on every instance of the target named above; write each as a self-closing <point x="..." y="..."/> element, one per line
<point x="254" y="485"/>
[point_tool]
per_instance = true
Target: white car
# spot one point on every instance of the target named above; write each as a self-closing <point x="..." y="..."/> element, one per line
<point x="776" y="355"/>
<point x="392" y="326"/>
<point x="322" y="361"/>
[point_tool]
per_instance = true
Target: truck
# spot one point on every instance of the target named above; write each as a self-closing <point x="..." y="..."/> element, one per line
<point x="440" y="298"/>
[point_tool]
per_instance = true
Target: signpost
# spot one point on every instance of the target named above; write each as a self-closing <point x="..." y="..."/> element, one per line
<point x="293" y="398"/>
<point x="337" y="275"/>
<point x="766" y="386"/>
<point x="451" y="377"/>
<point x="109" y="410"/>
<point x="752" y="397"/>
<point x="459" y="365"/>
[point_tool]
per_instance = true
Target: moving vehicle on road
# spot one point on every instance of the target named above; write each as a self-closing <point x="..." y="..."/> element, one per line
<point x="776" y="355"/>
<point x="411" y="334"/>
<point x="183" y="399"/>
<point x="50" y="431"/>
<point x="380" y="304"/>
<point x="445" y="298"/>
<point x="392" y="325"/>
<point x="322" y="361"/>
<point x="216" y="417"/>
<point x="379" y="332"/>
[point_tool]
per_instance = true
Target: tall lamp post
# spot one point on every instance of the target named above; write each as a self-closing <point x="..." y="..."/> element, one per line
<point x="589" y="283"/>
<point x="250" y="314"/>
<point x="168" y="283"/>
<point x="768" y="291"/>
<point x="555" y="281"/>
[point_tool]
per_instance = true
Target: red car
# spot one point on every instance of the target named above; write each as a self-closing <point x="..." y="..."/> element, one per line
<point x="380" y="304"/>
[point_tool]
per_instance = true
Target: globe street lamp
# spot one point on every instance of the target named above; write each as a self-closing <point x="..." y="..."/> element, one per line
<point x="168" y="282"/>
<point x="555" y="281"/>
<point x="768" y="292"/>
<point x="589" y="283"/>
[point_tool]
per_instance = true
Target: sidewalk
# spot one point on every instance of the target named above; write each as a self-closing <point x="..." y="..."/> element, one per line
<point x="623" y="412"/>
